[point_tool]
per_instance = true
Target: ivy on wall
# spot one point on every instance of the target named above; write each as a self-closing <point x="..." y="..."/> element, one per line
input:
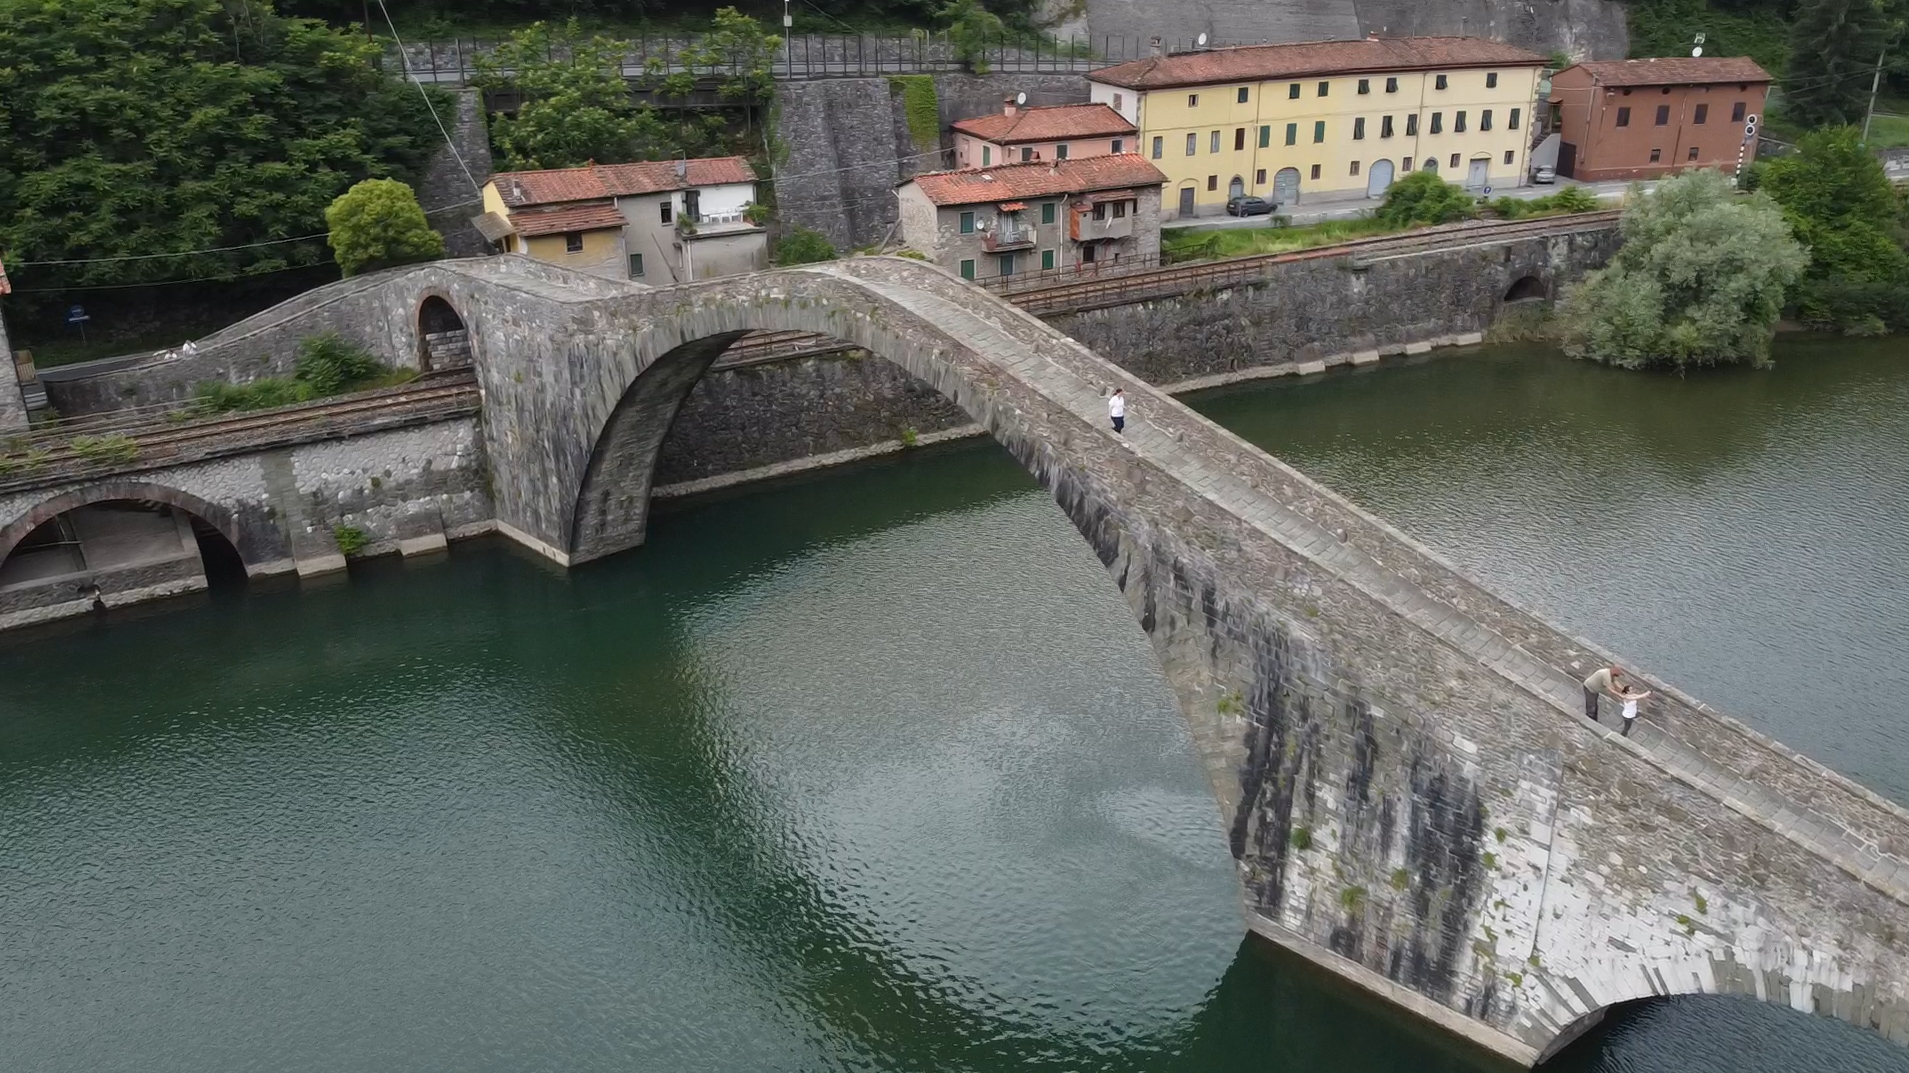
<point x="922" y="106"/>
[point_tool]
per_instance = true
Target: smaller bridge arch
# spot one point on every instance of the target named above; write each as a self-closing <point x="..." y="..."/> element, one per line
<point x="444" y="340"/>
<point x="14" y="530"/>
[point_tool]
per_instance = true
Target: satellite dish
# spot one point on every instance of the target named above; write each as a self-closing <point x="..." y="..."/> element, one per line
<point x="1202" y="41"/>
<point x="1021" y="97"/>
<point x="1696" y="52"/>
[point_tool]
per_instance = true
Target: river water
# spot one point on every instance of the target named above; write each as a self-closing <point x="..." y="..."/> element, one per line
<point x="874" y="771"/>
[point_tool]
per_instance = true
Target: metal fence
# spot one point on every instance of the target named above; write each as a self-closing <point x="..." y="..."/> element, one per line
<point x="810" y="56"/>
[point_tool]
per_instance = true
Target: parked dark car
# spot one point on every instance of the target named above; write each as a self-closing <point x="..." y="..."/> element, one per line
<point x="1249" y="206"/>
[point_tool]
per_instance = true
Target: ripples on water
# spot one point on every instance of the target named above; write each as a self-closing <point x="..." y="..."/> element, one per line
<point x="870" y="772"/>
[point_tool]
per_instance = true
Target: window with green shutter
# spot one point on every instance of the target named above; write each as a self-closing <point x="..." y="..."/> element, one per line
<point x="1265" y="136"/>
<point x="967" y="223"/>
<point x="1047" y="259"/>
<point x="1319" y="131"/>
<point x="1292" y="134"/>
<point x="967" y="269"/>
<point x="1047" y="212"/>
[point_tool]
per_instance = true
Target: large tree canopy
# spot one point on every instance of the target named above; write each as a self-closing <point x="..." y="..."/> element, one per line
<point x="1700" y="280"/>
<point x="132" y="128"/>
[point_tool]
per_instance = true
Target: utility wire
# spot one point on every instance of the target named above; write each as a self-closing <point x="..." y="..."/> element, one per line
<point x="406" y="61"/>
<point x="209" y="249"/>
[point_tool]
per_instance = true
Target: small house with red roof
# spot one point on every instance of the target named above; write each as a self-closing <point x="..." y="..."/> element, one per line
<point x="1641" y="119"/>
<point x="1037" y="216"/>
<point x="1020" y="135"/>
<point x="658" y="222"/>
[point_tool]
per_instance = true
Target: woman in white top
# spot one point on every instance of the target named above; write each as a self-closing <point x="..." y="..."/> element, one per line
<point x="1630" y="698"/>
<point x="1117" y="409"/>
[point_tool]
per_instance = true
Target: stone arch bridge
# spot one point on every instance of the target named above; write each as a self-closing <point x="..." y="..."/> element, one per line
<point x="1404" y="777"/>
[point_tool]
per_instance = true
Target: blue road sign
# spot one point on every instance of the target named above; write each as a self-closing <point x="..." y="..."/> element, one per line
<point x="1487" y="191"/>
<point x="77" y="315"/>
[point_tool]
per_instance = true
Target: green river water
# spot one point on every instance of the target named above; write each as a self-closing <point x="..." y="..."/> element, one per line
<point x="873" y="771"/>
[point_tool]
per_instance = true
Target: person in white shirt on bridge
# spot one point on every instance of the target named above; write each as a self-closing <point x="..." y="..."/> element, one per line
<point x="1117" y="409"/>
<point x="1630" y="698"/>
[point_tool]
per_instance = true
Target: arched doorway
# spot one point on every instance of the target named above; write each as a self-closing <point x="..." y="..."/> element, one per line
<point x="1185" y="208"/>
<point x="108" y="553"/>
<point x="1286" y="186"/>
<point x="443" y="341"/>
<point x="1236" y="188"/>
<point x="1378" y="178"/>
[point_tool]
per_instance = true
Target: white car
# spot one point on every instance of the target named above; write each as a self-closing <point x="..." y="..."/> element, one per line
<point x="1545" y="175"/>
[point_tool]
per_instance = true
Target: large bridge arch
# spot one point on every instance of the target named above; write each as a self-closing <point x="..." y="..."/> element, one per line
<point x="1409" y="793"/>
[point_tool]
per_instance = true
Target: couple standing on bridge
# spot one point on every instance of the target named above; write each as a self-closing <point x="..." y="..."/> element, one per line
<point x="1606" y="682"/>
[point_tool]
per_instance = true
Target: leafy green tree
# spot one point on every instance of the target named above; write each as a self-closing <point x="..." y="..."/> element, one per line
<point x="803" y="246"/>
<point x="741" y="54"/>
<point x="574" y="106"/>
<point x="1843" y="207"/>
<point x="1424" y="198"/>
<point x="133" y="128"/>
<point x="379" y="224"/>
<point x="1700" y="280"/>
<point x="1834" y="48"/>
<point x="970" y="27"/>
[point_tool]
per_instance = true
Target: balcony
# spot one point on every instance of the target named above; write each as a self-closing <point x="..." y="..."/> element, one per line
<point x="1088" y="229"/>
<point x="1004" y="239"/>
<point x="707" y="224"/>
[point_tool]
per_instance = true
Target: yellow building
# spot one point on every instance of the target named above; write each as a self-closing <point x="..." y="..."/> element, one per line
<point x="1327" y="118"/>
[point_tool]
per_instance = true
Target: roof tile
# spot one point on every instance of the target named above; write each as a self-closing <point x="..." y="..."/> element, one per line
<point x="1048" y="124"/>
<point x="590" y="216"/>
<point x="1012" y="182"/>
<point x="593" y="181"/>
<point x="1673" y="70"/>
<point x="1309" y="58"/>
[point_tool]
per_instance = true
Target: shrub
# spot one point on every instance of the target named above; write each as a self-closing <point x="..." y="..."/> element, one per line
<point x="378" y="224"/>
<point x="329" y="364"/>
<point x="351" y="539"/>
<point x="802" y="246"/>
<point x="970" y="27"/>
<point x="218" y="397"/>
<point x="1424" y="198"/>
<point x="1700" y="280"/>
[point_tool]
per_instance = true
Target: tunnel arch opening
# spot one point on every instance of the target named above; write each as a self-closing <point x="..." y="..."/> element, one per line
<point x="1526" y="289"/>
<point x="444" y="342"/>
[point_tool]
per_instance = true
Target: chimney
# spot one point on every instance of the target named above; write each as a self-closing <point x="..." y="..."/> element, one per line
<point x="1153" y="46"/>
<point x="1008" y="107"/>
<point x="682" y="168"/>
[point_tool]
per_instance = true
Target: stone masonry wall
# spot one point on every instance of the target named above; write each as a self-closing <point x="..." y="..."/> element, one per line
<point x="449" y="196"/>
<point x="757" y="415"/>
<point x="849" y="145"/>
<point x="1588" y="29"/>
<point x="279" y="508"/>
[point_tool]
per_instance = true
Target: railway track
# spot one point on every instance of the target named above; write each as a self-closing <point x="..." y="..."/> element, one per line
<point x="1100" y="291"/>
<point x="160" y="439"/>
<point x="436" y="398"/>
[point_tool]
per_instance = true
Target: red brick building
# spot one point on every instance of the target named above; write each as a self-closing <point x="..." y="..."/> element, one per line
<point x="1641" y="119"/>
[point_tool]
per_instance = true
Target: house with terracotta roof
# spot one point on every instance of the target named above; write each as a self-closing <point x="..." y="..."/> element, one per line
<point x="1337" y="119"/>
<point x="1041" y="215"/>
<point x="659" y="222"/>
<point x="1640" y="119"/>
<point x="1019" y="135"/>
